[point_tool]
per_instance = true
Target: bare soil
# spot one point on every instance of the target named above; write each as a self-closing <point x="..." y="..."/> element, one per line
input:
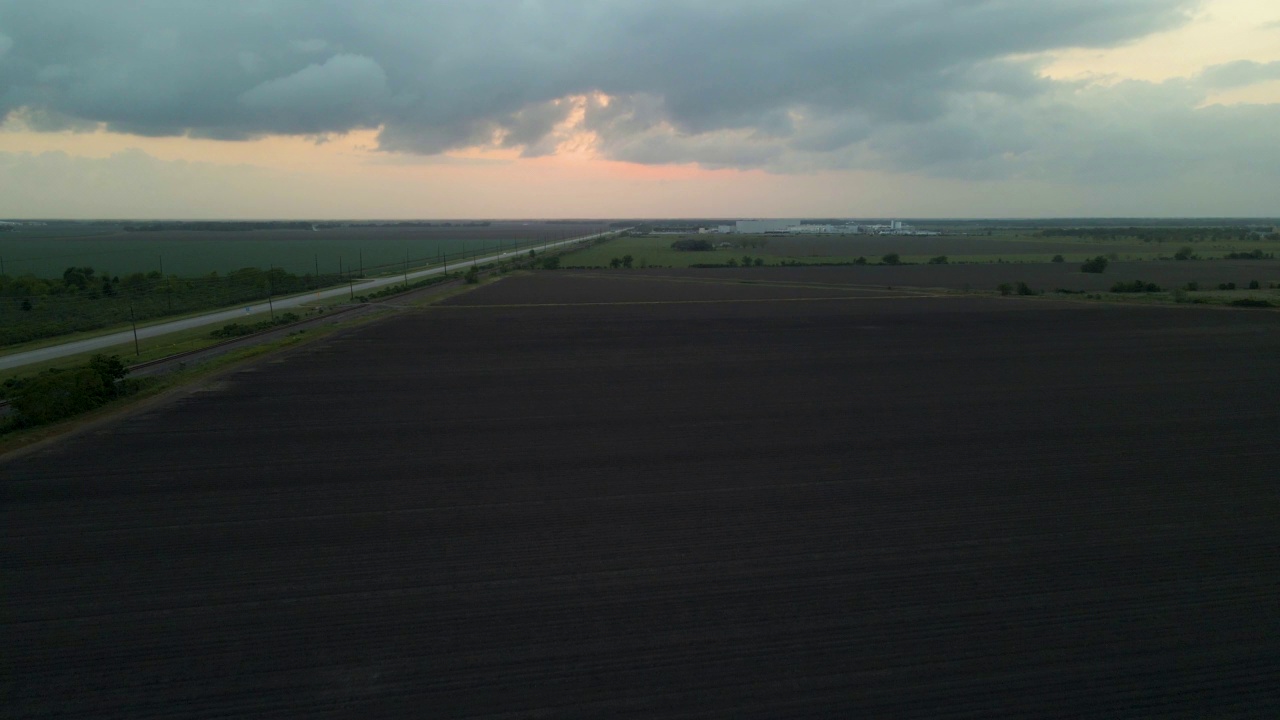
<point x="563" y="495"/>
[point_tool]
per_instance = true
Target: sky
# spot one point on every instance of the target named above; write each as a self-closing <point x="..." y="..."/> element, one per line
<point x="639" y="108"/>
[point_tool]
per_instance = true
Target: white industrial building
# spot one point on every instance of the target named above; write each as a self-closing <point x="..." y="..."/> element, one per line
<point x="760" y="227"/>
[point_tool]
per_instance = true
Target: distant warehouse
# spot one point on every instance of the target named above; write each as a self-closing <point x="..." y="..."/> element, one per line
<point x="760" y="227"/>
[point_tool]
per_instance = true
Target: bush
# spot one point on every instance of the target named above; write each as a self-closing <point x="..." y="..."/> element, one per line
<point x="1184" y="253"/>
<point x="56" y="394"/>
<point x="1252" y="302"/>
<point x="1137" y="286"/>
<point x="1059" y="258"/>
<point x="473" y="275"/>
<point x="1255" y="285"/>
<point x="1096" y="265"/>
<point x="1253" y="255"/>
<point x="1025" y="289"/>
<point x="691" y="245"/>
<point x="1226" y="286"/>
<point x="891" y="259"/>
<point x="940" y="260"/>
<point x="551" y="263"/>
<point x="1193" y="286"/>
<point x="1005" y="288"/>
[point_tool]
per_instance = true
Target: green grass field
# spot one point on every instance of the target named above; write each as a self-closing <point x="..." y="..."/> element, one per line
<point x="190" y="254"/>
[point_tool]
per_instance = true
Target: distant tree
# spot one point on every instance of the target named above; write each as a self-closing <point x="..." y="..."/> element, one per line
<point x="77" y="277"/>
<point x="691" y="245"/>
<point x="1059" y="259"/>
<point x="732" y="262"/>
<point x="1137" y="286"/>
<point x="1096" y="265"/>
<point x="1255" y="285"/>
<point x="110" y="368"/>
<point x="136" y="284"/>
<point x="627" y="260"/>
<point x="860" y="261"/>
<point x="615" y="263"/>
<point x="1193" y="286"/>
<point x="1025" y="289"/>
<point x="551" y="263"/>
<point x="473" y="275"/>
<point x="746" y="261"/>
<point x="1005" y="288"/>
<point x="759" y="261"/>
<point x="1184" y="253"/>
<point x="940" y="260"/>
<point x="891" y="259"/>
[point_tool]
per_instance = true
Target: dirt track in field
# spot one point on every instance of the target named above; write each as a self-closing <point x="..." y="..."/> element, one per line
<point x="846" y="505"/>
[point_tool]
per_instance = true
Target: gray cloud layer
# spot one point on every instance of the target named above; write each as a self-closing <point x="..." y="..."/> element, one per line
<point x="790" y="86"/>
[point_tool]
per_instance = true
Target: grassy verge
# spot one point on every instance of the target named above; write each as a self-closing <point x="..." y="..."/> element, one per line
<point x="152" y="388"/>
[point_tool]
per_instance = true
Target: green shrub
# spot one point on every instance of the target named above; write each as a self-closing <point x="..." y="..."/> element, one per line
<point x="56" y="394"/>
<point x="1137" y="286"/>
<point x="691" y="245"/>
<point x="1252" y="302"/>
<point x="940" y="260"/>
<point x="1096" y="265"/>
<point x="891" y="259"/>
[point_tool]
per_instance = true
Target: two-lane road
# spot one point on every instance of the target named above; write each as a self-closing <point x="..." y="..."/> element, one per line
<point x="225" y="316"/>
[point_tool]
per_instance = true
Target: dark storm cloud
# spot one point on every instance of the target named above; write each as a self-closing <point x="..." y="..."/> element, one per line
<point x="785" y="85"/>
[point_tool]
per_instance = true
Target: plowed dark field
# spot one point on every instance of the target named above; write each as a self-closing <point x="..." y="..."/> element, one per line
<point x="572" y="496"/>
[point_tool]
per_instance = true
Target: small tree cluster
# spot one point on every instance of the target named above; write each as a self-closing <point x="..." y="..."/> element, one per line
<point x="691" y="245"/>
<point x="56" y="394"/>
<point x="1096" y="265"/>
<point x="1137" y="286"/>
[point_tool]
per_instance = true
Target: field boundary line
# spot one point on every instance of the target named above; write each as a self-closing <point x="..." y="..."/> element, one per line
<point x="904" y="296"/>
<point x="768" y="283"/>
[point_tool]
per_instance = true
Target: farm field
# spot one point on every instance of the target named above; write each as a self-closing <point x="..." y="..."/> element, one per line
<point x="656" y="250"/>
<point x="1208" y="274"/>
<point x="660" y="494"/>
<point x="45" y="253"/>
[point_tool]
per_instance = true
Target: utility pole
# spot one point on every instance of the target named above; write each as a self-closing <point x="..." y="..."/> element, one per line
<point x="317" y="276"/>
<point x="406" y="269"/>
<point x="270" y="306"/>
<point x="132" y="319"/>
<point x="361" y="251"/>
